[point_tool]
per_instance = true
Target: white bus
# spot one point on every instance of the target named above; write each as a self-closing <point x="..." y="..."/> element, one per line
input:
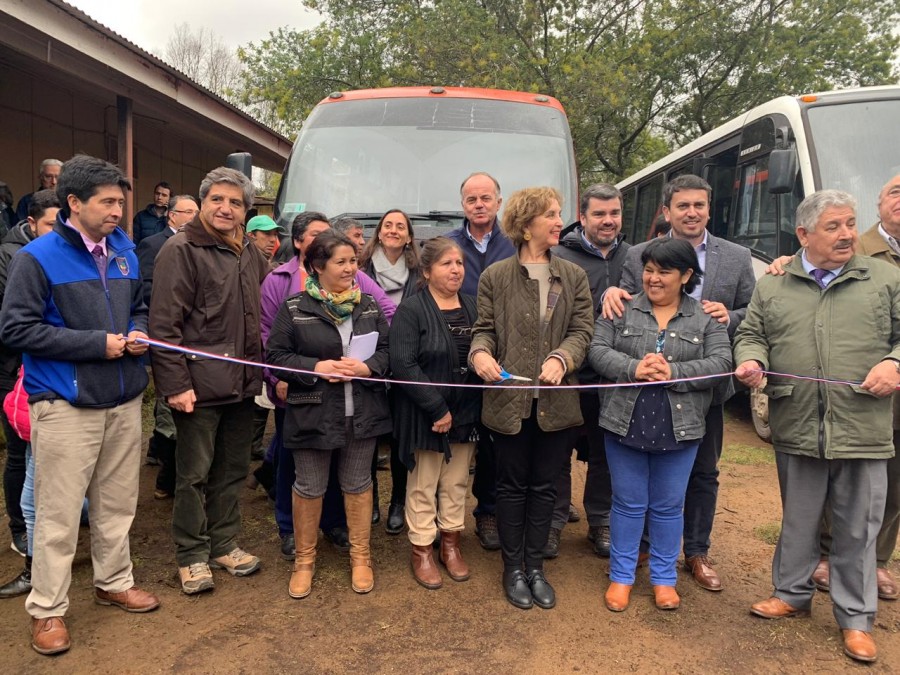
<point x="765" y="161"/>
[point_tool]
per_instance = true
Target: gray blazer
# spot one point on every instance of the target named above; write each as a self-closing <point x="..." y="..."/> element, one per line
<point x="728" y="277"/>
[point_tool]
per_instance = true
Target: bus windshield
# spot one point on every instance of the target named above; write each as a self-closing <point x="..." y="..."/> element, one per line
<point x="859" y="163"/>
<point x="365" y="157"/>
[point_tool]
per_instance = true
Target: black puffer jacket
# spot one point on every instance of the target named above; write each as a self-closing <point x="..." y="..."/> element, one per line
<point x="10" y="360"/>
<point x="301" y="336"/>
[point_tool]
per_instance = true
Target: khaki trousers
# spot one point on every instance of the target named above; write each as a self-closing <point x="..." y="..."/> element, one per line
<point x="436" y="493"/>
<point x="82" y="452"/>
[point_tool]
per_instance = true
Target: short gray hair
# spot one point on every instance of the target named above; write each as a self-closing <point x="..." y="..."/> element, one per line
<point x="49" y="162"/>
<point x="177" y="198"/>
<point x="223" y="174"/>
<point x="812" y="208"/>
<point x="601" y="191"/>
<point x="344" y="224"/>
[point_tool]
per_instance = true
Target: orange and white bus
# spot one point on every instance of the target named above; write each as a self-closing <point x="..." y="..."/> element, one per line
<point x="361" y="153"/>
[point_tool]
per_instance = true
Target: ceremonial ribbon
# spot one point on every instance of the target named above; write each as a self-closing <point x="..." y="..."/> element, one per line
<point x="612" y="385"/>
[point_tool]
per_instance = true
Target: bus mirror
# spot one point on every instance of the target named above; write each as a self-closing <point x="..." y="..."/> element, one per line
<point x="241" y="161"/>
<point x="698" y="164"/>
<point x="782" y="171"/>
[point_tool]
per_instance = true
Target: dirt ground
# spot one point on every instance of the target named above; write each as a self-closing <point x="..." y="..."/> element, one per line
<point x="252" y="625"/>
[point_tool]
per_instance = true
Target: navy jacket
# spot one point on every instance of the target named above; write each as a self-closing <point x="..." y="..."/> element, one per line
<point x="147" y="223"/>
<point x="499" y="248"/>
<point x="60" y="314"/>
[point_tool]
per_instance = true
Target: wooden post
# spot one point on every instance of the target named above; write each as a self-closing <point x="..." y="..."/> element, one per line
<point x="126" y="155"/>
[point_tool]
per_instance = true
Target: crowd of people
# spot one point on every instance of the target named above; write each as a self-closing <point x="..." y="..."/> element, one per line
<point x="500" y="348"/>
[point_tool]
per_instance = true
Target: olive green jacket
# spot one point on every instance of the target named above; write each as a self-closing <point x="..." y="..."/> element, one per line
<point x="873" y="244"/>
<point x="509" y="329"/>
<point x="838" y="333"/>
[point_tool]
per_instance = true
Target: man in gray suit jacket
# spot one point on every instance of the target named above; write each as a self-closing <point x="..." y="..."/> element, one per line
<point x="724" y="291"/>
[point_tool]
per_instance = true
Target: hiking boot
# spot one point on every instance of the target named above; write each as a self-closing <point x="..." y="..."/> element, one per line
<point x="486" y="531"/>
<point x="237" y="563"/>
<point x="551" y="550"/>
<point x="574" y="516"/>
<point x="196" y="578"/>
<point x="599" y="537"/>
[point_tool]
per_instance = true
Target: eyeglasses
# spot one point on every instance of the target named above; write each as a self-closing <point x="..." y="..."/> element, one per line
<point x="190" y="211"/>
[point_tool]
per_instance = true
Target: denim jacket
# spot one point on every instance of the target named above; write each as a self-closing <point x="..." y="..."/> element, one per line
<point x="696" y="345"/>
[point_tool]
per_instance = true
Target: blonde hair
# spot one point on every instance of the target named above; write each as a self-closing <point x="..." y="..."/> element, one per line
<point x="523" y="207"/>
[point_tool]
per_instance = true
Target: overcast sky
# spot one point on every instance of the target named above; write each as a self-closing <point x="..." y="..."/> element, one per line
<point x="148" y="22"/>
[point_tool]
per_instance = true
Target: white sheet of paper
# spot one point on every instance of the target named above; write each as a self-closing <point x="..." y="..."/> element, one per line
<point x="363" y="346"/>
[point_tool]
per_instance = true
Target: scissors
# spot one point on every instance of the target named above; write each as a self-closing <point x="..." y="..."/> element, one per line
<point x="506" y="377"/>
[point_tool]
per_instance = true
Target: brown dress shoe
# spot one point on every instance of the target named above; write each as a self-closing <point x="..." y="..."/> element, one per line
<point x="701" y="569"/>
<point x="617" y="596"/>
<point x="859" y="646"/>
<point x="666" y="597"/>
<point x="50" y="635"/>
<point x="133" y="600"/>
<point x="776" y="608"/>
<point x="424" y="569"/>
<point x="822" y="576"/>
<point x="887" y="586"/>
<point x="452" y="558"/>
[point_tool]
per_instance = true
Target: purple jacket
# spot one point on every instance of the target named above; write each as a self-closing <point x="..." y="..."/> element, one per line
<point x="285" y="281"/>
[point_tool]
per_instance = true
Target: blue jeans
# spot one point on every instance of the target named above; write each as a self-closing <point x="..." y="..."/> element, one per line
<point x="651" y="486"/>
<point x="27" y="502"/>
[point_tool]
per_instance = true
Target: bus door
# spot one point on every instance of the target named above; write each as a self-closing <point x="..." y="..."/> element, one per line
<point x="756" y="209"/>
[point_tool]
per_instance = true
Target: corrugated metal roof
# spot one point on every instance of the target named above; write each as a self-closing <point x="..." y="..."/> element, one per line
<point x="158" y="62"/>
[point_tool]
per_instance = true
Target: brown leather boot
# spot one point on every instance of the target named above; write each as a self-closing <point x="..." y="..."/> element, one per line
<point x="424" y="569"/>
<point x="452" y="558"/>
<point x="359" y="525"/>
<point x="307" y="513"/>
<point x="666" y="597"/>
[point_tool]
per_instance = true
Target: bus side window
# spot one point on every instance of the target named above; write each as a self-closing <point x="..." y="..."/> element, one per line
<point x="648" y="201"/>
<point x="628" y="206"/>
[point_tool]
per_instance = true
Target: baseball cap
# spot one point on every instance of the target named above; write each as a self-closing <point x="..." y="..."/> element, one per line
<point x="262" y="223"/>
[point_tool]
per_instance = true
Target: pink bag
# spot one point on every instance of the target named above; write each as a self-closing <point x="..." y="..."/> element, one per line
<point x="15" y="405"/>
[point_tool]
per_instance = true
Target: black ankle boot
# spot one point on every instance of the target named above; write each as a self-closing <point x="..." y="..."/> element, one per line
<point x="20" y="585"/>
<point x="541" y="590"/>
<point x="395" y="519"/>
<point x="515" y="585"/>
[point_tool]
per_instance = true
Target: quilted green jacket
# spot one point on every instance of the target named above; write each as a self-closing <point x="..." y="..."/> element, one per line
<point x="509" y="328"/>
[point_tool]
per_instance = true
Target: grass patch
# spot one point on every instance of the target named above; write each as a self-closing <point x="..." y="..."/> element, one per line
<point x="768" y="533"/>
<point x="749" y="455"/>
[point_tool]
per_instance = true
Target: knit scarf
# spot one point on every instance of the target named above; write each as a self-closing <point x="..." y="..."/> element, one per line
<point x="390" y="276"/>
<point x="233" y="241"/>
<point x="339" y="306"/>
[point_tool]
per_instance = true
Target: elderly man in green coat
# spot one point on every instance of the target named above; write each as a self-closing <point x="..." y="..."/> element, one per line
<point x="833" y="315"/>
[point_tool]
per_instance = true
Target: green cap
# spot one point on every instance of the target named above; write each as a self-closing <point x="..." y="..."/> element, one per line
<point x="262" y="223"/>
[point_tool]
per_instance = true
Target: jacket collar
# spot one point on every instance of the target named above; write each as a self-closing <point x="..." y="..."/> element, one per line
<point x="116" y="241"/>
<point x="198" y="236"/>
<point x="642" y="303"/>
<point x="855" y="268"/>
<point x="575" y="240"/>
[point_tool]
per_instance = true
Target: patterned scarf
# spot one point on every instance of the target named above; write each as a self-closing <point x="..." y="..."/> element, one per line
<point x="339" y="306"/>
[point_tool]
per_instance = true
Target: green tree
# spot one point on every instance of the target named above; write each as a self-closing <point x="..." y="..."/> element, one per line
<point x="634" y="75"/>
